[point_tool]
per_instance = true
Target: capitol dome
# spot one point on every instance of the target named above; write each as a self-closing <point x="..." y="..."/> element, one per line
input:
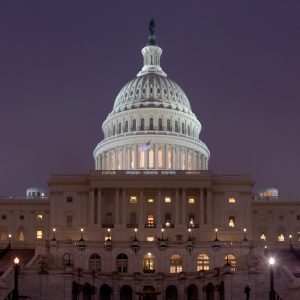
<point x="152" y="125"/>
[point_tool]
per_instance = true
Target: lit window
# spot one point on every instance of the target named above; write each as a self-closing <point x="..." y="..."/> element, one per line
<point x="68" y="259"/>
<point x="149" y="263"/>
<point x="39" y="234"/>
<point x="169" y="159"/>
<point x="150" y="200"/>
<point x="231" y="260"/>
<point x="231" y="222"/>
<point x="175" y="263"/>
<point x="132" y="158"/>
<point x="151" y="159"/>
<point x="280" y="238"/>
<point x="150" y="238"/>
<point x="160" y="158"/>
<point x="298" y="236"/>
<point x="39" y="217"/>
<point x="133" y="199"/>
<point x="231" y="200"/>
<point x="3" y="236"/>
<point x="150" y="220"/>
<point x="191" y="200"/>
<point x="202" y="262"/>
<point x="263" y="237"/>
<point x="142" y="159"/>
<point x="168" y="199"/>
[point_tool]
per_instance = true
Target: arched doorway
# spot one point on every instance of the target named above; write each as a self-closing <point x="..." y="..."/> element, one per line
<point x="149" y="293"/>
<point x="105" y="292"/>
<point x="192" y="292"/>
<point x="76" y="289"/>
<point x="171" y="293"/>
<point x="87" y="292"/>
<point x="126" y="293"/>
<point x="210" y="291"/>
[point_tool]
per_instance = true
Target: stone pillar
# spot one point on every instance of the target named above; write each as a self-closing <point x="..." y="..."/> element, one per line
<point x="209" y="206"/>
<point x="165" y="163"/>
<point x="146" y="159"/>
<point x="99" y="206"/>
<point x="117" y="208"/>
<point x="136" y="151"/>
<point x="141" y="209"/>
<point x="128" y="167"/>
<point x="123" y="207"/>
<point x="91" y="207"/>
<point x="183" y="201"/>
<point x="155" y="156"/>
<point x="201" y="205"/>
<point x="174" y="160"/>
<point x="159" y="205"/>
<point x="177" y="219"/>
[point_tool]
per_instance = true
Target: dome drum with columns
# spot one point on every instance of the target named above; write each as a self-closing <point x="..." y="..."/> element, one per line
<point x="152" y="125"/>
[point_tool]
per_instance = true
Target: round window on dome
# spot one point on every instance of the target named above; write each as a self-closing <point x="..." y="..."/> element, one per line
<point x="151" y="90"/>
<point x="158" y="91"/>
<point x="165" y="91"/>
<point x="144" y="91"/>
<point x="137" y="91"/>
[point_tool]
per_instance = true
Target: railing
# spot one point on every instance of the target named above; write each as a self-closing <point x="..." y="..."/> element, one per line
<point x="132" y="225"/>
<point x="108" y="225"/>
<point x="150" y="225"/>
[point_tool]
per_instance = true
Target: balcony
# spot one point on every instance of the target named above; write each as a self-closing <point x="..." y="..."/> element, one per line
<point x="193" y="225"/>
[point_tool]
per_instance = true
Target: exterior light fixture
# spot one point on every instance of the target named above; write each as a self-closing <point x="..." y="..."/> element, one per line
<point x="216" y="243"/>
<point x="135" y="245"/>
<point x="15" y="293"/>
<point x="291" y="246"/>
<point x="81" y="243"/>
<point x="108" y="243"/>
<point x="54" y="238"/>
<point x="162" y="241"/>
<point x="189" y="245"/>
<point x="272" y="291"/>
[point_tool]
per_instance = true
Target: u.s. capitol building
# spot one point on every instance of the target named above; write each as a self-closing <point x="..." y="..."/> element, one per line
<point x="151" y="221"/>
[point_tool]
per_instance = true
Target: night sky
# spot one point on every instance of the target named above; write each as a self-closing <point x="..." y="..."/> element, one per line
<point x="62" y="64"/>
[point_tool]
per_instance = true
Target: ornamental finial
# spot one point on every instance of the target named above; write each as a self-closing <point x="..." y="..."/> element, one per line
<point x="152" y="29"/>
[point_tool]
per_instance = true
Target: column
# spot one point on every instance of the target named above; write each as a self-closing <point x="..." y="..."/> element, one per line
<point x="159" y="205"/>
<point x="183" y="201"/>
<point x="136" y="151"/>
<point x="121" y="158"/>
<point x="201" y="205"/>
<point x="146" y="159"/>
<point x="123" y="207"/>
<point x="177" y="221"/>
<point x="117" y="209"/>
<point x="99" y="206"/>
<point x="174" y="153"/>
<point x="155" y="156"/>
<point x="209" y="206"/>
<point x="91" y="206"/>
<point x="141" y="209"/>
<point x="128" y="167"/>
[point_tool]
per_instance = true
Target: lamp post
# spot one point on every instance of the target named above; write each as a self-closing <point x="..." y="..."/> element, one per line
<point x="53" y="237"/>
<point x="272" y="291"/>
<point x="291" y="246"/>
<point x="15" y="294"/>
<point x="216" y="242"/>
<point x="245" y="234"/>
<point x="9" y="240"/>
<point x="81" y="243"/>
<point x="162" y="234"/>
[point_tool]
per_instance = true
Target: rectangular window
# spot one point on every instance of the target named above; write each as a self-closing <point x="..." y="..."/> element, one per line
<point x="298" y="236"/>
<point x="3" y="217"/>
<point x="39" y="217"/>
<point x="280" y="238"/>
<point x="150" y="200"/>
<point x="69" y="221"/>
<point x="3" y="236"/>
<point x="263" y="237"/>
<point x="231" y="222"/>
<point x="151" y="159"/>
<point x="142" y="159"/>
<point x="150" y="220"/>
<point x="231" y="200"/>
<point x="168" y="200"/>
<point x="150" y="238"/>
<point x="39" y="234"/>
<point x="160" y="158"/>
<point x="132" y="159"/>
<point x="298" y="217"/>
<point x="69" y="199"/>
<point x="133" y="199"/>
<point x="191" y="200"/>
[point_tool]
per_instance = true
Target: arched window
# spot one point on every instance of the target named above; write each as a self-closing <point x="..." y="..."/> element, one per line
<point x="231" y="260"/>
<point x="95" y="262"/>
<point x="142" y="124"/>
<point x="133" y="125"/>
<point x="202" y="262"/>
<point x="176" y="126"/>
<point x="68" y="259"/>
<point x="114" y="130"/>
<point x="169" y="128"/>
<point x="21" y="234"/>
<point x="122" y="263"/>
<point x="171" y="293"/>
<point x="151" y="124"/>
<point x="120" y="128"/>
<point x="175" y="263"/>
<point x="149" y="263"/>
<point x="160" y="127"/>
<point x="126" y="126"/>
<point x="189" y="131"/>
<point x="182" y="128"/>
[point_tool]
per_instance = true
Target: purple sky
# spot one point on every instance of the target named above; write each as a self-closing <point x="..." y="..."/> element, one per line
<point x="62" y="64"/>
